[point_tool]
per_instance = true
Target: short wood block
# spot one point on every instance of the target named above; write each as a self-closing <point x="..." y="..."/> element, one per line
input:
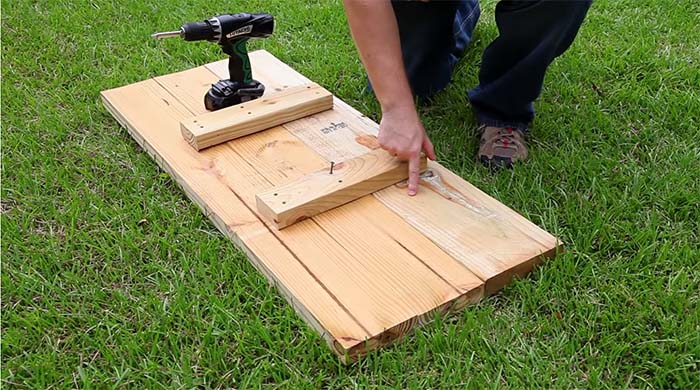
<point x="322" y="190"/>
<point x="213" y="128"/>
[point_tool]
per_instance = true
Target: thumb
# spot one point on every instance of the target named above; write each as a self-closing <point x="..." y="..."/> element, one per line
<point x="428" y="148"/>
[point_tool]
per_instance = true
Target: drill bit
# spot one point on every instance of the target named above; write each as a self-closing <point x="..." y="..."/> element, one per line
<point x="167" y="34"/>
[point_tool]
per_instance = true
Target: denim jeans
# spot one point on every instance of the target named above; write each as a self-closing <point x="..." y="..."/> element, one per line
<point x="531" y="35"/>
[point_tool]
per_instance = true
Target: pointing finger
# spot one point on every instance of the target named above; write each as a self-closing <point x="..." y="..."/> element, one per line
<point x="413" y="175"/>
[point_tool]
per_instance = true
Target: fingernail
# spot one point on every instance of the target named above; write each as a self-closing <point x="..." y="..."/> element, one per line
<point x="411" y="192"/>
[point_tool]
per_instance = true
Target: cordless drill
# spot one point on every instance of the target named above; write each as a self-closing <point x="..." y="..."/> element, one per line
<point x="231" y="32"/>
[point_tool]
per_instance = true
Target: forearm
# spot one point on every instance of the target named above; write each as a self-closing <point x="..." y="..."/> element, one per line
<point x="376" y="34"/>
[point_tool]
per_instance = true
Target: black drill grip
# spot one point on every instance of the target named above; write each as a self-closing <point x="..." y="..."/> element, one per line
<point x="198" y="31"/>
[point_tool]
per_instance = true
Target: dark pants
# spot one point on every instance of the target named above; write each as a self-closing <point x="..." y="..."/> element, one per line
<point x="531" y="35"/>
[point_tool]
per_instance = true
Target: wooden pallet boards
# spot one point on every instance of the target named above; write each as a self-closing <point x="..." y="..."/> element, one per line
<point x="363" y="274"/>
<point x="496" y="249"/>
<point x="151" y="115"/>
<point x="257" y="162"/>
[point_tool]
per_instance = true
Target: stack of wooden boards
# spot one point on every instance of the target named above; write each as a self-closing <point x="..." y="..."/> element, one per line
<point x="362" y="274"/>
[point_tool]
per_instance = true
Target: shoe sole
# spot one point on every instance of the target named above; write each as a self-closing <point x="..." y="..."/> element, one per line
<point x="496" y="162"/>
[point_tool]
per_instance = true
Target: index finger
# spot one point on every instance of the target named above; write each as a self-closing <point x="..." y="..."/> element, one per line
<point x="413" y="174"/>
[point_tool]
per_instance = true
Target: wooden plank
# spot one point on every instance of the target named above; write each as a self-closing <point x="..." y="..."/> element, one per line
<point x="332" y="187"/>
<point x="377" y="227"/>
<point x="502" y="244"/>
<point x="373" y="274"/>
<point x="388" y="292"/>
<point x="510" y="247"/>
<point x="335" y="265"/>
<point x="330" y="136"/>
<point x="151" y="115"/>
<point x="212" y="128"/>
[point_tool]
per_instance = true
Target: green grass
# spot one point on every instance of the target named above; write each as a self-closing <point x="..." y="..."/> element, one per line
<point x="112" y="278"/>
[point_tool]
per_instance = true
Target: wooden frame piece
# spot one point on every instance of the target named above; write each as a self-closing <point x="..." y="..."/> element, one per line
<point x="286" y="105"/>
<point x="332" y="187"/>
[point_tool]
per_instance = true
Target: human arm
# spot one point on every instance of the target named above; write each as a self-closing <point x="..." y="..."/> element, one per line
<point x="376" y="35"/>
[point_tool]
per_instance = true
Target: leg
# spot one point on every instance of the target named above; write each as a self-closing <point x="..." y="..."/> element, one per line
<point x="433" y="35"/>
<point x="531" y="35"/>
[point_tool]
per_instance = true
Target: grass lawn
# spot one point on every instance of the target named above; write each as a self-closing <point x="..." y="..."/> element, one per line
<point x="111" y="277"/>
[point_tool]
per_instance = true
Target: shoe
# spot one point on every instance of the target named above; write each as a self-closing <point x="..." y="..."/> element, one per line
<point x="501" y="147"/>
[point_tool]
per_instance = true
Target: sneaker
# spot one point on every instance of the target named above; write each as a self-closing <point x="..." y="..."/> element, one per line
<point x="501" y="147"/>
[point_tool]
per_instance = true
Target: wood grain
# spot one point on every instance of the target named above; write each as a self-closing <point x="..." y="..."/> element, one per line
<point x="371" y="272"/>
<point x="151" y="115"/>
<point x="382" y="291"/>
<point x="363" y="274"/>
<point x="329" y="188"/>
<point x="456" y="215"/>
<point x="496" y="249"/>
<point x="212" y="128"/>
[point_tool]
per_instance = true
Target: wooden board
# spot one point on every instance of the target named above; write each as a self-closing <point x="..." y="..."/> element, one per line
<point x="363" y="274"/>
<point x="332" y="187"/>
<point x="287" y="104"/>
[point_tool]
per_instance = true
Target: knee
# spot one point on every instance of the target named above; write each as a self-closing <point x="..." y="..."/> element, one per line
<point x="433" y="35"/>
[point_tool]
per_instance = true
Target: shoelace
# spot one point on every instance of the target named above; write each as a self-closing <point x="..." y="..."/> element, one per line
<point x="507" y="138"/>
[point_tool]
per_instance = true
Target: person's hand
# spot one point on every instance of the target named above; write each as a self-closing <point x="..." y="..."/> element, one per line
<point x="401" y="133"/>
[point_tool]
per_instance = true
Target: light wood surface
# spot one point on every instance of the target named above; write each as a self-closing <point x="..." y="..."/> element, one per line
<point x="282" y="105"/>
<point x="329" y="188"/>
<point x="363" y="274"/>
<point x="456" y="215"/>
<point x="151" y="115"/>
<point x="387" y="299"/>
<point x="496" y="249"/>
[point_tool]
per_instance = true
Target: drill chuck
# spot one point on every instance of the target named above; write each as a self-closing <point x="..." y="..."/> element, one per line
<point x="207" y="30"/>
